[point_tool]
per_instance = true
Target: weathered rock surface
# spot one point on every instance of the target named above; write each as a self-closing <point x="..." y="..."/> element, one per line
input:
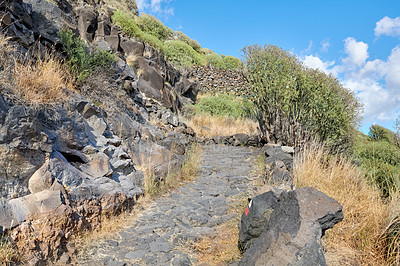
<point x="255" y="217"/>
<point x="221" y="81"/>
<point x="64" y="166"/>
<point x="279" y="163"/>
<point x="291" y="235"/>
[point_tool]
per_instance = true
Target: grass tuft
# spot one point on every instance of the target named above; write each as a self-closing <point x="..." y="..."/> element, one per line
<point x="38" y="77"/>
<point x="359" y="237"/>
<point x="210" y="126"/>
<point x="82" y="62"/>
<point x="8" y="254"/>
<point x="43" y="80"/>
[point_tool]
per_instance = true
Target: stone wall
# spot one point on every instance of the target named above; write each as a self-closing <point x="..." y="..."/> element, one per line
<point x="221" y="81"/>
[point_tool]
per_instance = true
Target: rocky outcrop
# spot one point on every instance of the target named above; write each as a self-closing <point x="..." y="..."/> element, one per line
<point x="278" y="164"/>
<point x="253" y="222"/>
<point x="64" y="166"/>
<point x="286" y="228"/>
<point x="16" y="20"/>
<point x="221" y="81"/>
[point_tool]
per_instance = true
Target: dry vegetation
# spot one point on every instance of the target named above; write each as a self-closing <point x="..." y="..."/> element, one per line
<point x="37" y="78"/>
<point x="174" y="177"/>
<point x="41" y="81"/>
<point x="210" y="126"/>
<point x="360" y="237"/>
<point x="108" y="227"/>
<point x="8" y="255"/>
<point x="222" y="248"/>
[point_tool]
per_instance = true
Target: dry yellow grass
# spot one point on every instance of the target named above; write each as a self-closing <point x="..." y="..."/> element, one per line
<point x="210" y="126"/>
<point x="37" y="79"/>
<point x="8" y="255"/>
<point x="109" y="226"/>
<point x="41" y="81"/>
<point x="222" y="248"/>
<point x="358" y="238"/>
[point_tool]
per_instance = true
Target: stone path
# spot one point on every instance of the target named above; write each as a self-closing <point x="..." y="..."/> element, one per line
<point x="191" y="212"/>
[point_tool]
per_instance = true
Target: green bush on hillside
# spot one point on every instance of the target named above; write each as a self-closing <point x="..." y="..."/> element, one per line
<point x="128" y="25"/>
<point x="128" y="6"/>
<point x="232" y="62"/>
<point x="80" y="61"/>
<point x="206" y="51"/>
<point x="183" y="52"/>
<point x="183" y="55"/>
<point x="215" y="60"/>
<point x="305" y="101"/>
<point x="155" y="27"/>
<point x="377" y="132"/>
<point x="380" y="161"/>
<point x="224" y="105"/>
<point x="184" y="38"/>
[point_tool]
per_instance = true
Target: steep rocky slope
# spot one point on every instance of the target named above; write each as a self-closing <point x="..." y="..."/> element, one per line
<point x="64" y="165"/>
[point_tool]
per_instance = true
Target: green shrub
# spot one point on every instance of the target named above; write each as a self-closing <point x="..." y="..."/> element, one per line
<point x="128" y="25"/>
<point x="153" y="26"/>
<point x="129" y="6"/>
<point x="224" y="105"/>
<point x="380" y="161"/>
<point x="213" y="59"/>
<point x="302" y="102"/>
<point x="380" y="133"/>
<point x="152" y="40"/>
<point x="183" y="55"/>
<point x="232" y="62"/>
<point x="80" y="61"/>
<point x="206" y="51"/>
<point x="193" y="43"/>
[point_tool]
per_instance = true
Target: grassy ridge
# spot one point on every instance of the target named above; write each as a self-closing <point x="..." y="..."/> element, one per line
<point x="176" y="46"/>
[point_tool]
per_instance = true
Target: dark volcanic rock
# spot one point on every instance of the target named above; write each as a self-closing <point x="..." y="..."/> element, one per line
<point x="87" y="22"/>
<point x="255" y="218"/>
<point x="292" y="236"/>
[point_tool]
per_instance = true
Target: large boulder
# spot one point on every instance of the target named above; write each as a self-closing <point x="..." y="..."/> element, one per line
<point x="48" y="19"/>
<point x="292" y="234"/>
<point x="276" y="153"/>
<point x="87" y="22"/>
<point x="255" y="217"/>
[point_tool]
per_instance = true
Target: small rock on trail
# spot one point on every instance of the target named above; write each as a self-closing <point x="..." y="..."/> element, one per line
<point x="165" y="230"/>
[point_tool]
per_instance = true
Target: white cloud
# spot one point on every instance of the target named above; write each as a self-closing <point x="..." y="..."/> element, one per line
<point x="379" y="104"/>
<point x="375" y="82"/>
<point x="372" y="69"/>
<point x="393" y="70"/>
<point x="325" y="44"/>
<point x="310" y="44"/>
<point x="388" y="26"/>
<point x="159" y="7"/>
<point x="316" y="62"/>
<point x="357" y="52"/>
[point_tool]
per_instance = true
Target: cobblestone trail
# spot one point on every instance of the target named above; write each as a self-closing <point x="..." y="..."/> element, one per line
<point x="164" y="230"/>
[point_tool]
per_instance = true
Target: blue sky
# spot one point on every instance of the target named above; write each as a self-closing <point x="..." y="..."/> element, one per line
<point x="358" y="41"/>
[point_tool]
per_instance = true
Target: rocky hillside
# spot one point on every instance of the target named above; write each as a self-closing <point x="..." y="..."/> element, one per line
<point x="91" y="96"/>
<point x="65" y="162"/>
